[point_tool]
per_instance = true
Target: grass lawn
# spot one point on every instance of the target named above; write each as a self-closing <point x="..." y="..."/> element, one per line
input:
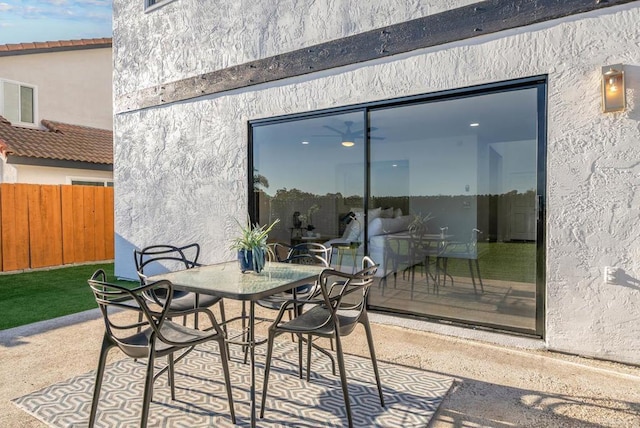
<point x="505" y="261"/>
<point x="41" y="295"/>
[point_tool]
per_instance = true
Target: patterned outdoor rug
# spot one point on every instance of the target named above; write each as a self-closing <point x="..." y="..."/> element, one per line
<point x="412" y="396"/>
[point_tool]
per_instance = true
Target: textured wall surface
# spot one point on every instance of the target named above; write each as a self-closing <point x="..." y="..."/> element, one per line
<point x="208" y="35"/>
<point x="181" y="172"/>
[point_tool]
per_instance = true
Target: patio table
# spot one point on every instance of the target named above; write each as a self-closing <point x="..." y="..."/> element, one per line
<point x="227" y="281"/>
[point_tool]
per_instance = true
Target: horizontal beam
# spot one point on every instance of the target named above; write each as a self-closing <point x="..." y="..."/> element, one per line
<point x="463" y="23"/>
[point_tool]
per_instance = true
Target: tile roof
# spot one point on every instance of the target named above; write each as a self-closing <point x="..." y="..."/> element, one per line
<point x="59" y="141"/>
<point x="59" y="45"/>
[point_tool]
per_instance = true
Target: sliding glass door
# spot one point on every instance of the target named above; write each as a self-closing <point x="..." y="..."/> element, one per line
<point x="467" y="167"/>
<point x="445" y="192"/>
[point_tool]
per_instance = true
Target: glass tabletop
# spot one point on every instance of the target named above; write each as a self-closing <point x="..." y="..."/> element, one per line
<point x="226" y="279"/>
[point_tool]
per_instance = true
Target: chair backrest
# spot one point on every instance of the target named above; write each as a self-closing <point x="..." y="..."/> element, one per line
<point x="472" y="245"/>
<point x="156" y="259"/>
<point x="278" y="251"/>
<point x="111" y="296"/>
<point x="335" y="286"/>
<point x="315" y="249"/>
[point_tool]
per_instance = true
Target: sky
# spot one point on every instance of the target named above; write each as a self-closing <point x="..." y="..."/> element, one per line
<point x="23" y="21"/>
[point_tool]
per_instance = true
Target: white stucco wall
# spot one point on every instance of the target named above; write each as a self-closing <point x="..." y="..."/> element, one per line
<point x="72" y="86"/>
<point x="180" y="170"/>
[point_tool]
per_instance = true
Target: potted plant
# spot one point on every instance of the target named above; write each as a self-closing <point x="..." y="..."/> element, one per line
<point x="418" y="225"/>
<point x="251" y="245"/>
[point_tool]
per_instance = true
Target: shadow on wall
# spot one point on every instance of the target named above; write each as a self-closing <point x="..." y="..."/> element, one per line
<point x="124" y="266"/>
<point x="626" y="280"/>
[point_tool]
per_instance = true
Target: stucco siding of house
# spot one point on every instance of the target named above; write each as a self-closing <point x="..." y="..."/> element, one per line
<point x="181" y="169"/>
<point x="73" y="86"/>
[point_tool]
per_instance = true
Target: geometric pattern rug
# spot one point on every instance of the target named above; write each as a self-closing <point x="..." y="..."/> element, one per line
<point x="412" y="396"/>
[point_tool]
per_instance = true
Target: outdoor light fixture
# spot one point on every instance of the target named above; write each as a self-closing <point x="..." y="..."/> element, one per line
<point x="348" y="143"/>
<point x="613" y="98"/>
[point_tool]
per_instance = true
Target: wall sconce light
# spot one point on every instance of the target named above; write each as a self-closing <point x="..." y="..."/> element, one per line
<point x="613" y="89"/>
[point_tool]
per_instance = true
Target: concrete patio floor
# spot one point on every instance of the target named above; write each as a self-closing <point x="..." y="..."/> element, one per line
<point x="496" y="386"/>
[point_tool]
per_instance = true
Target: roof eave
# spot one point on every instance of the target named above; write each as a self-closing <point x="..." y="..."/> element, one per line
<point x="57" y="163"/>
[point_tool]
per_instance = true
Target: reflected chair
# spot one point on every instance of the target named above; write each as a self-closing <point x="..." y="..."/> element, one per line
<point x="153" y="337"/>
<point x="426" y="253"/>
<point x="341" y="306"/>
<point x="466" y="250"/>
<point x="156" y="259"/>
<point x="397" y="254"/>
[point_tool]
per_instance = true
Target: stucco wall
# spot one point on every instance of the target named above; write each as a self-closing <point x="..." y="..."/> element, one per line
<point x="180" y="170"/>
<point x="221" y="34"/>
<point x="73" y="86"/>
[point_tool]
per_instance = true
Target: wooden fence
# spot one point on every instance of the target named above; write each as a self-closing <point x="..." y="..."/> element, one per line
<point x="53" y="225"/>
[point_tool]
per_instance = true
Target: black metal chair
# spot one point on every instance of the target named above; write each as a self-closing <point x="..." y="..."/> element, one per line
<point x="157" y="259"/>
<point x="340" y="309"/>
<point x="153" y="337"/>
<point x="306" y="253"/>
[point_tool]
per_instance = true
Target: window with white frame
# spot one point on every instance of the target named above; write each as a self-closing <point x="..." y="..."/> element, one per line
<point x="90" y="182"/>
<point x="18" y="102"/>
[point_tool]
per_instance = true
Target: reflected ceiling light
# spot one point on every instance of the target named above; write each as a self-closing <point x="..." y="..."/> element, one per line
<point x="305" y="142"/>
<point x="474" y="124"/>
<point x="348" y="143"/>
<point x="613" y="88"/>
<point x="395" y="165"/>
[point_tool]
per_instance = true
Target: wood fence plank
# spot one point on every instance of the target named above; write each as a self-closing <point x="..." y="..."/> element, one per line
<point x="79" y="253"/>
<point x="1" y="189"/>
<point x="8" y="195"/>
<point x="109" y="227"/>
<point x="50" y="195"/>
<point x="100" y="253"/>
<point x="22" y="226"/>
<point x="68" y="241"/>
<point x="36" y="227"/>
<point x="89" y="223"/>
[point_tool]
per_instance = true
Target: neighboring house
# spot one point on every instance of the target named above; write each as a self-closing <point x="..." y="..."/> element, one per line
<point x="486" y="115"/>
<point x="56" y="112"/>
<point x="59" y="154"/>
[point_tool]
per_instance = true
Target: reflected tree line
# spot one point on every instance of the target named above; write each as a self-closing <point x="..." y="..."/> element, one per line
<point x="497" y="215"/>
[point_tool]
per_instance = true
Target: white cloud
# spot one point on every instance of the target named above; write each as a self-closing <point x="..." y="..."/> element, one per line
<point x="5" y="7"/>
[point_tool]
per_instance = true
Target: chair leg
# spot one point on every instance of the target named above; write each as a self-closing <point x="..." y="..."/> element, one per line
<point x="473" y="279"/>
<point x="343" y="380"/>
<point x="148" y="386"/>
<point x="267" y="369"/>
<point x="106" y="346"/>
<point x="374" y="362"/>
<point x="172" y="377"/>
<point x="309" y="347"/>
<point x="300" y="341"/>
<point x="224" y="357"/>
<point x="479" y="277"/>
